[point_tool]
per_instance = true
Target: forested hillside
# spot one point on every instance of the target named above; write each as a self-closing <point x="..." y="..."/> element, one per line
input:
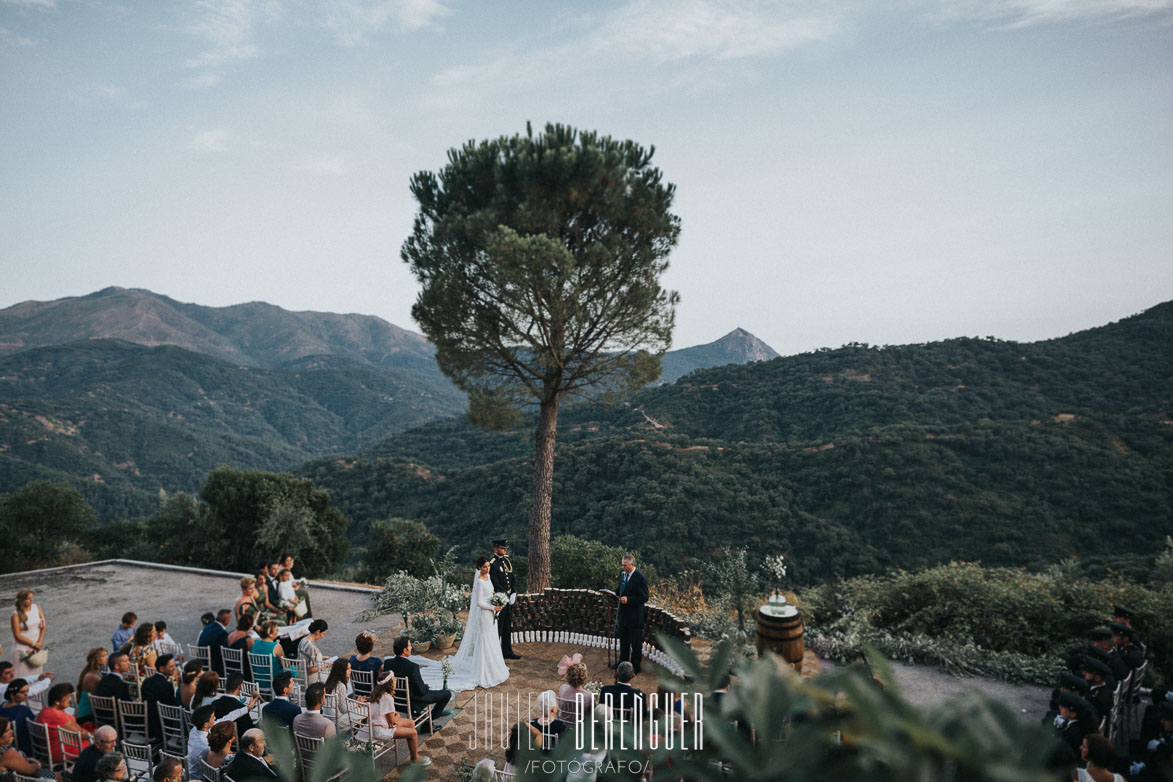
<point x="849" y="460"/>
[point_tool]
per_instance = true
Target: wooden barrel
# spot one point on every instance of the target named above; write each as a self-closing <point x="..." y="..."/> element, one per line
<point x="781" y="635"/>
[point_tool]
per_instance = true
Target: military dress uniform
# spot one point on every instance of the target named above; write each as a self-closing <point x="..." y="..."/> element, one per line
<point x="501" y="576"/>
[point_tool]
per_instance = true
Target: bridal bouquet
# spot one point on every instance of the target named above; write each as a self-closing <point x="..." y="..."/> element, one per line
<point x="498" y="599"/>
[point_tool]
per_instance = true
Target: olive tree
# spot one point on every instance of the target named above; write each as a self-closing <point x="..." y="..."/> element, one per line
<point x="540" y="260"/>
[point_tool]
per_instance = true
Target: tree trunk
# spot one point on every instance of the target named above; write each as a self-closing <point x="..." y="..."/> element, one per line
<point x="539" y="510"/>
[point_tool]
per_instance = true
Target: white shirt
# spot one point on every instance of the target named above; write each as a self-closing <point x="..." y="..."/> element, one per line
<point x="40" y="685"/>
<point x="197" y="750"/>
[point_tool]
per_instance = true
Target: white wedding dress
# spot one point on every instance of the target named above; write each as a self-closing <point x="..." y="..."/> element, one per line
<point x="479" y="661"/>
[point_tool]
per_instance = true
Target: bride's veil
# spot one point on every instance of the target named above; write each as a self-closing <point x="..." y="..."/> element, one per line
<point x="471" y="627"/>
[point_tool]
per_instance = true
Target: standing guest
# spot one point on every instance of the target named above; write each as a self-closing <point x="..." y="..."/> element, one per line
<point x="633" y="594"/>
<point x="8" y="673"/>
<point x="167" y="770"/>
<point x="11" y="759"/>
<point x="17" y="711"/>
<point x="192" y="670"/>
<point x="268" y="644"/>
<point x="105" y="740"/>
<point x="112" y="685"/>
<point x="1079" y="719"/>
<point x="1101" y="638"/>
<point x="364" y="644"/>
<point x="1128" y="645"/>
<point x="1100" y="692"/>
<point x="159" y="688"/>
<point x="311" y="722"/>
<point x="111" y="767"/>
<point x="55" y="715"/>
<point x="215" y="636"/>
<point x="220" y="739"/>
<point x="249" y="762"/>
<point x="281" y="710"/>
<point x="28" y="630"/>
<point x="307" y="650"/>
<point x="87" y="681"/>
<point x="386" y="723"/>
<point x="501" y="576"/>
<point x="197" y="740"/>
<point x="124" y="632"/>
<point x="1123" y="615"/>
<point x="142" y="651"/>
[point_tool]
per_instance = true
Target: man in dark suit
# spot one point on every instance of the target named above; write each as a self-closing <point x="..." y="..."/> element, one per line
<point x="1100" y="692"/>
<point x="250" y="759"/>
<point x="112" y="684"/>
<point x="621" y="695"/>
<point x="215" y="636"/>
<point x="159" y="688"/>
<point x="105" y="740"/>
<point x="633" y="594"/>
<point x="421" y="694"/>
<point x="280" y="709"/>
<point x="1128" y="644"/>
<point x="501" y="576"/>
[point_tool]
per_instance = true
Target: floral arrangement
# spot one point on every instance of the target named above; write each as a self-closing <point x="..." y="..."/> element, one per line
<point x="594" y="688"/>
<point x="774" y="569"/>
<point x="446" y="667"/>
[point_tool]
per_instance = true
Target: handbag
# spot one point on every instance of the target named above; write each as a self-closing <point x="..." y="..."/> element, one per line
<point x="300" y="610"/>
<point x="37" y="659"/>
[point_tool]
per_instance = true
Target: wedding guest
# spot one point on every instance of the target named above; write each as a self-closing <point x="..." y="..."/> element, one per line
<point x="124" y="632"/>
<point x="207" y="689"/>
<point x="281" y="710"/>
<point x="1100" y="756"/>
<point x="337" y="684"/>
<point x="514" y="747"/>
<point x="11" y="759"/>
<point x="301" y="588"/>
<point x="232" y="705"/>
<point x="621" y="695"/>
<point x="214" y="636"/>
<point x="28" y="630"/>
<point x="17" y="711"/>
<point x="269" y="645"/>
<point x="55" y="715"/>
<point x="574" y="701"/>
<point x="387" y="723"/>
<point x="311" y="722"/>
<point x="111" y="767"/>
<point x="37" y="685"/>
<point x="105" y="740"/>
<point x="287" y="594"/>
<point x="87" y="681"/>
<point x="421" y="694"/>
<point x="192" y="670"/>
<point x="249" y="762"/>
<point x="197" y="740"/>
<point x="167" y="770"/>
<point x="159" y="688"/>
<point x="364" y="644"/>
<point x="247" y="602"/>
<point x="220" y="739"/>
<point x="142" y="651"/>
<point x="112" y="685"/>
<point x="267" y="599"/>
<point x="593" y="754"/>
<point x="307" y="650"/>
<point x="548" y="726"/>
<point x="164" y="637"/>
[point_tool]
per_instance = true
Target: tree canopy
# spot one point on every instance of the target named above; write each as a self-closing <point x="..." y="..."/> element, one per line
<point x="540" y="259"/>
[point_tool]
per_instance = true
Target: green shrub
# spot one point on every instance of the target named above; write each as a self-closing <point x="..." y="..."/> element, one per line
<point x="578" y="563"/>
<point x="398" y="544"/>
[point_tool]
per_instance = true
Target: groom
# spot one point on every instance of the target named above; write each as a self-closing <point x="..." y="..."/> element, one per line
<point x="501" y="576"/>
<point x="633" y="594"/>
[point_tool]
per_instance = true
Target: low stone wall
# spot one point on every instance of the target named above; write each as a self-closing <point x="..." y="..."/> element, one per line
<point x="586" y="613"/>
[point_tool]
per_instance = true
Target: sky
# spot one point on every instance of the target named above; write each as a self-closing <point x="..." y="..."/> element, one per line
<point x="880" y="172"/>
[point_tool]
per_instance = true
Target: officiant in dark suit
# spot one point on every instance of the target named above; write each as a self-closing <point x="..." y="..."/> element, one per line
<point x="633" y="595"/>
<point x="501" y="576"/>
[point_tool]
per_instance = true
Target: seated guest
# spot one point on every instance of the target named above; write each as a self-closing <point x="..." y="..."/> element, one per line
<point x="37" y="684"/>
<point x="364" y="644"/>
<point x="11" y="759"/>
<point x="547" y="724"/>
<point x="311" y="722"/>
<point x="112" y="685"/>
<point x="287" y="594"/>
<point x="87" y="681"/>
<point x="337" y="683"/>
<point x="142" y="650"/>
<point x="575" y="702"/>
<point x="301" y="586"/>
<point x="267" y="600"/>
<point x="249" y="762"/>
<point x="197" y="740"/>
<point x="18" y="713"/>
<point x="159" y="688"/>
<point x="54" y="714"/>
<point x="214" y="636"/>
<point x="281" y="710"/>
<point x="124" y="632"/>
<point x="164" y="637"/>
<point x="311" y="656"/>
<point x="421" y="694"/>
<point x="269" y="645"/>
<point x="621" y="695"/>
<point x="387" y="723"/>
<point x="105" y="740"/>
<point x="234" y="706"/>
<point x="207" y="689"/>
<point x="111" y="767"/>
<point x="1100" y="756"/>
<point x="246" y="604"/>
<point x="192" y="671"/>
<point x="167" y="770"/>
<point x="220" y="739"/>
<point x="243" y="637"/>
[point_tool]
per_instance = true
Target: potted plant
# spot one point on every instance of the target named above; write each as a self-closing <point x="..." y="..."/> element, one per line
<point x="423" y="632"/>
<point x="446" y="632"/>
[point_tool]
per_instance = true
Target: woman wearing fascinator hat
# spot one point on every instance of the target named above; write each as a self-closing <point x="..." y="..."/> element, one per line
<point x="574" y="701"/>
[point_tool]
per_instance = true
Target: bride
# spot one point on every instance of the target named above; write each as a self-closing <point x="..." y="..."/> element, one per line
<point x="479" y="661"/>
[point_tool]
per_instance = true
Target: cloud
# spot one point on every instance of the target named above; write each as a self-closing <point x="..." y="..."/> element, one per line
<point x="9" y="38"/>
<point x="215" y="140"/>
<point x="226" y="28"/>
<point x="352" y="21"/>
<point x="335" y="165"/>
<point x="42" y="5"/>
<point x="1023" y="13"/>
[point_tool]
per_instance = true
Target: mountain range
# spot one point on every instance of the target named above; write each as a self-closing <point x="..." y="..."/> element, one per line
<point x="126" y="393"/>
